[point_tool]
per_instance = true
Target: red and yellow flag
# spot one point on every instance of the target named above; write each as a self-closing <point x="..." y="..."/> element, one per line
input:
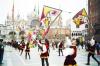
<point x="78" y="19"/>
<point x="49" y="15"/>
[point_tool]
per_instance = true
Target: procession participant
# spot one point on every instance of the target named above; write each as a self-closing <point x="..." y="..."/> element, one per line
<point x="71" y="54"/>
<point x="60" y="47"/>
<point x="27" y="50"/>
<point x="44" y="53"/>
<point x="22" y="46"/>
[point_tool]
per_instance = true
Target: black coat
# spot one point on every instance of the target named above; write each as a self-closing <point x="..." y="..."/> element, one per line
<point x="1" y="52"/>
<point x="1" y="48"/>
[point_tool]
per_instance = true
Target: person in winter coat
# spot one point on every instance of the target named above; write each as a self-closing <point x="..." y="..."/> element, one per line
<point x="1" y="50"/>
<point x="91" y="52"/>
<point x="44" y="53"/>
<point x="71" y="54"/>
<point x="98" y="48"/>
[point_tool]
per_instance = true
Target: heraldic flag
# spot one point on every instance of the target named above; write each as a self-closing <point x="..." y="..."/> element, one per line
<point x="78" y="19"/>
<point x="49" y="15"/>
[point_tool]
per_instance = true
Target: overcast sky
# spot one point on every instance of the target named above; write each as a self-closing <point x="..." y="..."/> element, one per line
<point x="25" y="7"/>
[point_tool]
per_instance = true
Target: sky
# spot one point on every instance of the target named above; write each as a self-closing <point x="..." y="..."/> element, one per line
<point x="24" y="7"/>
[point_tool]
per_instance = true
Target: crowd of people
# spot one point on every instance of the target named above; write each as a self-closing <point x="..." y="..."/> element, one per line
<point x="63" y="46"/>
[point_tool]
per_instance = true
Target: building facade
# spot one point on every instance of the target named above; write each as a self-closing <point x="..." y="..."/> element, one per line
<point x="2" y="31"/>
<point x="94" y="18"/>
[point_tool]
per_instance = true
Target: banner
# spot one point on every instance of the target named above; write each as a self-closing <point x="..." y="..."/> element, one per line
<point x="79" y="18"/>
<point x="49" y="15"/>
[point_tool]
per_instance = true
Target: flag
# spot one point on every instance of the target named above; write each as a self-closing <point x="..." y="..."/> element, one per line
<point x="45" y="32"/>
<point x="42" y="16"/>
<point x="82" y="12"/>
<point x="49" y="15"/>
<point x="79" y="18"/>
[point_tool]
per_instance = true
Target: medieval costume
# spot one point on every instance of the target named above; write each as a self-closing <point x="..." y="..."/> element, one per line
<point x="60" y="48"/>
<point x="22" y="47"/>
<point x="44" y="53"/>
<point x="71" y="54"/>
<point x="27" y="50"/>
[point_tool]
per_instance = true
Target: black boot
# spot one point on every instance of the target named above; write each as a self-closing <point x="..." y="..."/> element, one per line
<point x="87" y="63"/>
<point x="98" y="63"/>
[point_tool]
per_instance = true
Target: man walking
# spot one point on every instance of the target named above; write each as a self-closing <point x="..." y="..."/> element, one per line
<point x="92" y="52"/>
<point x="1" y="50"/>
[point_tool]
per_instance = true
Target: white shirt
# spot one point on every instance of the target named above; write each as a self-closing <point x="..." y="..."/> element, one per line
<point x="44" y="49"/>
<point x="68" y="51"/>
<point x="67" y="42"/>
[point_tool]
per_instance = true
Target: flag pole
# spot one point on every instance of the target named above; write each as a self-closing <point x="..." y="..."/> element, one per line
<point x="51" y="22"/>
<point x="55" y="18"/>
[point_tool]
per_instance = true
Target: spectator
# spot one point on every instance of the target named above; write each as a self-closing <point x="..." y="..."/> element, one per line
<point x="98" y="48"/>
<point x="61" y="46"/>
<point x="1" y="50"/>
<point x="91" y="52"/>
